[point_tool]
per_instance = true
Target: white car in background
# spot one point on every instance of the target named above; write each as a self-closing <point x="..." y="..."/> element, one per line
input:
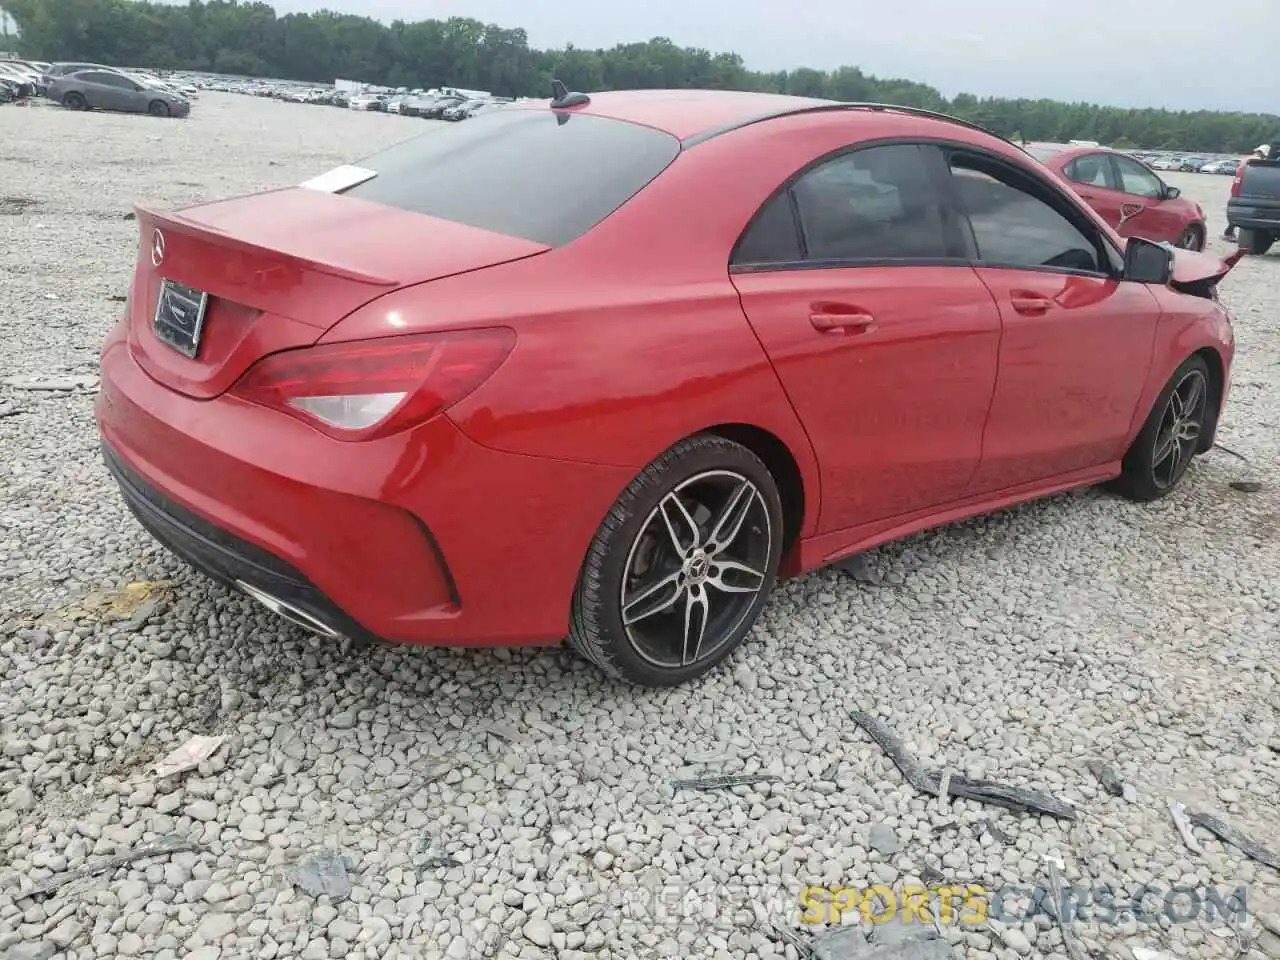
<point x="367" y="101"/>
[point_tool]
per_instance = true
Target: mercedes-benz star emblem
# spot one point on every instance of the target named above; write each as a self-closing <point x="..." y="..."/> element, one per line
<point x="157" y="248"/>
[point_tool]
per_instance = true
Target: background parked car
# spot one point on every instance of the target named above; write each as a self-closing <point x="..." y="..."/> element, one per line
<point x="1221" y="167"/>
<point x="110" y="90"/>
<point x="1128" y="195"/>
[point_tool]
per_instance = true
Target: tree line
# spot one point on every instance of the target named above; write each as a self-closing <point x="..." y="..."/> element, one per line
<point x="250" y="39"/>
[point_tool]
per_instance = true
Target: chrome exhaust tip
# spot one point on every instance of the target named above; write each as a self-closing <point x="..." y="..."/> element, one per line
<point x="288" y="611"/>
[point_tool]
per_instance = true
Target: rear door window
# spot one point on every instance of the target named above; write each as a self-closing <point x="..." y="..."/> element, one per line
<point x="876" y="204"/>
<point x="537" y="174"/>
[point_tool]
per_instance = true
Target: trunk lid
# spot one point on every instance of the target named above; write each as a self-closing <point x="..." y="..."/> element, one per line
<point x="277" y="270"/>
<point x="1199" y="273"/>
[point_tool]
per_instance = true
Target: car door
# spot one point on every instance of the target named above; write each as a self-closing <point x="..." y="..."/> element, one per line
<point x="1077" y="341"/>
<point x="1093" y="176"/>
<point x="96" y="93"/>
<point x="883" y="337"/>
<point x="1148" y="213"/>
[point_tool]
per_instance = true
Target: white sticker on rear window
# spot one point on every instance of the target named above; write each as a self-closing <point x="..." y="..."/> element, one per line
<point x="339" y="178"/>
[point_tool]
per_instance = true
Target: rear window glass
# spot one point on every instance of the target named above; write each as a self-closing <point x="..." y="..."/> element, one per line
<point x="1043" y="153"/>
<point x="537" y="174"/>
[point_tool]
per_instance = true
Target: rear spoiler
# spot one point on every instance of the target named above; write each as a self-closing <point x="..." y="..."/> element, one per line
<point x="174" y="220"/>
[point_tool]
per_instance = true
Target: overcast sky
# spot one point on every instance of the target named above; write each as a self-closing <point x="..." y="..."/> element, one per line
<point x="1216" y="54"/>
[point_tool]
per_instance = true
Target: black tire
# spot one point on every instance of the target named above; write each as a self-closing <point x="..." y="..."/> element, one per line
<point x="75" y="101"/>
<point x="636" y="534"/>
<point x="1192" y="238"/>
<point x="158" y="108"/>
<point x="1256" y="242"/>
<point x="1148" y="473"/>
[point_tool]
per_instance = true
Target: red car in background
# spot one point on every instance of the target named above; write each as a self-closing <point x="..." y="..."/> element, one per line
<point x="605" y="367"/>
<point x="1127" y="194"/>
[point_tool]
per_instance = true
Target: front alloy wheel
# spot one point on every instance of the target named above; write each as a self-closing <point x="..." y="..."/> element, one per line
<point x="681" y="566"/>
<point x="1171" y="436"/>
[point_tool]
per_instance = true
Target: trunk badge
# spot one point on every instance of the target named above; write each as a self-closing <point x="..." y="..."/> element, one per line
<point x="157" y="248"/>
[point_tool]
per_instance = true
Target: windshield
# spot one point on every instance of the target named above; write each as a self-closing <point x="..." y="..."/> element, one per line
<point x="536" y="174"/>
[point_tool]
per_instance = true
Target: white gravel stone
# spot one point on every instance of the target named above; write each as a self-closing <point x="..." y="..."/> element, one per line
<point x="1014" y="647"/>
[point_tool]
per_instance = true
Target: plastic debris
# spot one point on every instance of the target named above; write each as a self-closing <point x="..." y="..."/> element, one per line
<point x="1179" y="814"/>
<point x="322" y="875"/>
<point x="723" y="783"/>
<point x="188" y="756"/>
<point x="986" y="791"/>
<point x="1228" y="834"/>
<point x="155" y="848"/>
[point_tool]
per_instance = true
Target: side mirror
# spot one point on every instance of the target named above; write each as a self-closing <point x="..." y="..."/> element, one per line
<point x="1171" y="193"/>
<point x="1147" y="262"/>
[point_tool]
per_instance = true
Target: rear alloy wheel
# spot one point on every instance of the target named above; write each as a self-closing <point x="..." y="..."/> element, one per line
<point x="1256" y="242"/>
<point x="158" y="108"/>
<point x="1170" y="438"/>
<point x="75" y="101"/>
<point x="1192" y="238"/>
<point x="682" y="565"/>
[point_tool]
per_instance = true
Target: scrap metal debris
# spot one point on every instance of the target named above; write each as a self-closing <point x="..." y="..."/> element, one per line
<point x="1179" y="814"/>
<point x="1245" y="486"/>
<point x="1074" y="949"/>
<point x="723" y="782"/>
<point x="1106" y="775"/>
<point x="802" y="944"/>
<point x="323" y="875"/>
<point x="1228" y="834"/>
<point x="986" y="791"/>
<point x="188" y="756"/>
<point x="155" y="848"/>
<point x="1224" y="449"/>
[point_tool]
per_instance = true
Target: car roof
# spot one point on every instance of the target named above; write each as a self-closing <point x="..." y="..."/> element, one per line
<point x="688" y="113"/>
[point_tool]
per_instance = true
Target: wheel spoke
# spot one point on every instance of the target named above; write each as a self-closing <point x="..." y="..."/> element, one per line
<point x="680" y="524"/>
<point x="697" y="611"/>
<point x="1192" y="402"/>
<point x="742" y="572"/>
<point x="657" y="598"/>
<point x="1164" y="449"/>
<point x="729" y="524"/>
<point x="1175" y="404"/>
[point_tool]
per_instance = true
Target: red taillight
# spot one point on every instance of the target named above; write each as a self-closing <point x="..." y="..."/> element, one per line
<point x="372" y="388"/>
<point x="1237" y="180"/>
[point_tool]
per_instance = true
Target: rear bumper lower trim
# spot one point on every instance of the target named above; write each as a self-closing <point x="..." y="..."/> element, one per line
<point x="229" y="560"/>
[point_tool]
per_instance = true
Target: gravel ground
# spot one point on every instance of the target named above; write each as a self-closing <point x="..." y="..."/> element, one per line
<point x="1017" y="647"/>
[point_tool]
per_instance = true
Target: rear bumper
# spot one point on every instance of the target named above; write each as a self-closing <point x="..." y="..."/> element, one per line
<point x="1254" y="215"/>
<point x="424" y="537"/>
<point x="224" y="557"/>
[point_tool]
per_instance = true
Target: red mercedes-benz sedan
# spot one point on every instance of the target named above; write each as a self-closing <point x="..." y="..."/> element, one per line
<point x="1127" y="194"/>
<point x="604" y="367"/>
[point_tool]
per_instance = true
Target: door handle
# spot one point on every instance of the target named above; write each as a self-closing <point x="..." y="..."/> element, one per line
<point x="1030" y="305"/>
<point x="842" y="322"/>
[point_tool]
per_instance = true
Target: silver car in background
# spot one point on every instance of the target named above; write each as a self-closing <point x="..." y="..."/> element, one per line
<point x="102" y="89"/>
